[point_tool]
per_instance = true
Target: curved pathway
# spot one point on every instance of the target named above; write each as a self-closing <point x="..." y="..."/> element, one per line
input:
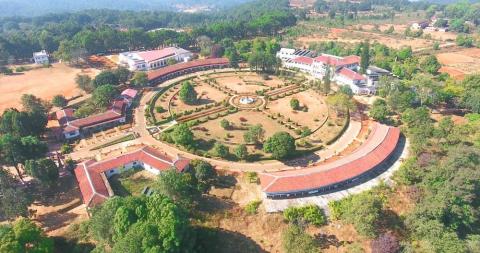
<point x="140" y="127"/>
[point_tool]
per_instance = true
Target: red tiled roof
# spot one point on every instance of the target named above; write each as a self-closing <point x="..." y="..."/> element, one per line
<point x="64" y="116"/>
<point x="94" y="188"/>
<point x="115" y="112"/>
<point x="304" y="60"/>
<point x="378" y="147"/>
<point x="154" y="55"/>
<point x="350" y="74"/>
<point x="338" y="61"/>
<point x="131" y="93"/>
<point x="351" y="59"/>
<point x="184" y="66"/>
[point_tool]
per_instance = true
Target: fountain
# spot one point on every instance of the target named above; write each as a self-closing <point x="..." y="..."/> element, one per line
<point x="247" y="100"/>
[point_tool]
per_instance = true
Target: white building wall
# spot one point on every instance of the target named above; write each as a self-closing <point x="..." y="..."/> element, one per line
<point x="151" y="169"/>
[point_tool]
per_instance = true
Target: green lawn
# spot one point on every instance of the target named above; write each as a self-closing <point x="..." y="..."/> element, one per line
<point x="128" y="184"/>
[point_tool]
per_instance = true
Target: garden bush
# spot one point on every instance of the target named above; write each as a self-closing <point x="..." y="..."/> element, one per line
<point x="311" y="214"/>
<point x="252" y="207"/>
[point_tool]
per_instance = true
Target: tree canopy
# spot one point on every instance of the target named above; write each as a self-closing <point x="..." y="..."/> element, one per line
<point x="187" y="93"/>
<point x="141" y="224"/>
<point x="281" y="145"/>
<point x="24" y="236"/>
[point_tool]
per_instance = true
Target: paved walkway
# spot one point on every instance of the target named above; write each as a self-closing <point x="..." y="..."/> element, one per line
<point x="277" y="205"/>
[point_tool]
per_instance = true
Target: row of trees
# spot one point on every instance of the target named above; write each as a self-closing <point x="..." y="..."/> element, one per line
<point x="74" y="36"/>
<point x="21" y="148"/>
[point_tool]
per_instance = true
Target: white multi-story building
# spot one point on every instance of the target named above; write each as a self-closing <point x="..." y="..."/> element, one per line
<point x="374" y="74"/>
<point x="302" y="63"/>
<point x="343" y="70"/>
<point x="41" y="57"/>
<point x="153" y="59"/>
<point x="291" y="53"/>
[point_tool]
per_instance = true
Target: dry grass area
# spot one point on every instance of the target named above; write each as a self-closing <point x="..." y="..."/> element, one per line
<point x="56" y="210"/>
<point x="240" y="121"/>
<point x="206" y="95"/>
<point x="312" y="118"/>
<point x="246" y="82"/>
<point x="399" y="29"/>
<point x="259" y="232"/>
<point x="353" y="37"/>
<point x="43" y="82"/>
<point x="460" y="63"/>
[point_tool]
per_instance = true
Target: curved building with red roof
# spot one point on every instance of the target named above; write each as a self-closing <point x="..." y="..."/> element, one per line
<point x="362" y="164"/>
<point x="176" y="70"/>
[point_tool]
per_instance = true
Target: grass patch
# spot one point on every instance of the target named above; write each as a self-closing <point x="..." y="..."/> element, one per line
<point x="128" y="184"/>
<point x="125" y="138"/>
<point x="252" y="207"/>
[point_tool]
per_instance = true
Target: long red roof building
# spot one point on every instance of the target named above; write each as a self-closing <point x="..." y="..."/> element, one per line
<point x="380" y="145"/>
<point x="181" y="68"/>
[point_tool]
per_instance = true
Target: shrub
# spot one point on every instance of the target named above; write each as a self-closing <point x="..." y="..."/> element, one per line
<point x="225" y="124"/>
<point x="311" y="214"/>
<point x="66" y="149"/>
<point x="220" y="150"/>
<point x="241" y="152"/>
<point x="306" y="131"/>
<point x="59" y="101"/>
<point x="296" y="240"/>
<point x="252" y="177"/>
<point x="21" y="69"/>
<point x="298" y="131"/>
<point x="252" y="207"/>
<point x="159" y="109"/>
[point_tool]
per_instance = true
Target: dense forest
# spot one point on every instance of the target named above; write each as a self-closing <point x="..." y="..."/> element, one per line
<point x="109" y="31"/>
<point x="42" y="7"/>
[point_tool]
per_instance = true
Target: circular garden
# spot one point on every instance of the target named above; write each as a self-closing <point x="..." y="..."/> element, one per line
<point x="243" y="115"/>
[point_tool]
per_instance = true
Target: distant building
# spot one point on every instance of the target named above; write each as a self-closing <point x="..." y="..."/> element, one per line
<point x="129" y="95"/>
<point x="374" y="74"/>
<point x="291" y="53"/>
<point x="420" y="25"/>
<point x="41" y="57"/>
<point x="73" y="128"/>
<point x="355" y="81"/>
<point x="343" y="70"/>
<point x="302" y="63"/>
<point x="153" y="59"/>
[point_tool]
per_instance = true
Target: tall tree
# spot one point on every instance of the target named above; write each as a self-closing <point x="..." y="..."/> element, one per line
<point x="24" y="236"/>
<point x="123" y="74"/>
<point x="45" y="170"/>
<point x="254" y="134"/>
<point x="140" y="79"/>
<point x="181" y="187"/>
<point x="365" y="57"/>
<point x="84" y="82"/>
<point x="281" y="145"/>
<point x="31" y="103"/>
<point x="187" y="93"/>
<point x="182" y="135"/>
<point x="106" y="77"/>
<point x="14" y="200"/>
<point x="327" y="80"/>
<point x="103" y="95"/>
